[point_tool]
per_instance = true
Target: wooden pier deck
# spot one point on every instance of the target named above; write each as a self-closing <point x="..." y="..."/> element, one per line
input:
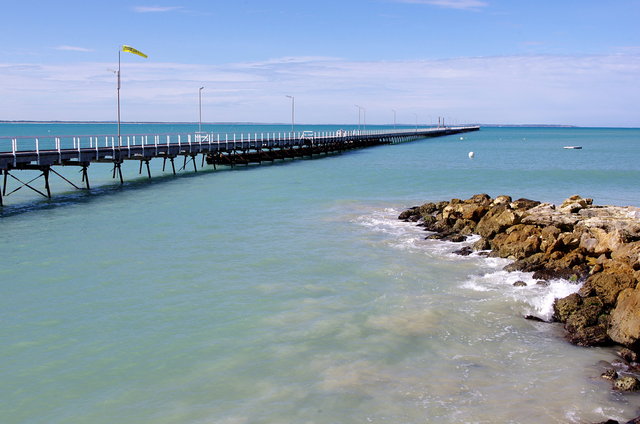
<point x="44" y="153"/>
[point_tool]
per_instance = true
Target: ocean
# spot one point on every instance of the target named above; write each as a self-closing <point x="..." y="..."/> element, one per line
<point x="290" y="293"/>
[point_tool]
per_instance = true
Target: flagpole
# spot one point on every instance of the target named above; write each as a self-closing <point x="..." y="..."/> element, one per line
<point x="133" y="51"/>
<point x="118" y="90"/>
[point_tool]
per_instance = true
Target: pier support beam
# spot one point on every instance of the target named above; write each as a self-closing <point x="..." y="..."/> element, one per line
<point x="173" y="165"/>
<point x="186" y="160"/>
<point x="45" y="172"/>
<point x="85" y="176"/>
<point x="117" y="167"/>
<point x="148" y="169"/>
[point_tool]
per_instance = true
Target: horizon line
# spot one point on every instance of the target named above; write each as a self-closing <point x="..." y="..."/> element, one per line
<point x="530" y="125"/>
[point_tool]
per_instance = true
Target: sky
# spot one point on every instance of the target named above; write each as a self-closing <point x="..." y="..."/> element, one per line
<point x="559" y="62"/>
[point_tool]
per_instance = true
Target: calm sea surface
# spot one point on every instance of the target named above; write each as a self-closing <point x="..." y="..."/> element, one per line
<point x="289" y="293"/>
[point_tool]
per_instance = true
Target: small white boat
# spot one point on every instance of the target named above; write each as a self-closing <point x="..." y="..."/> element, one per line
<point x="572" y="147"/>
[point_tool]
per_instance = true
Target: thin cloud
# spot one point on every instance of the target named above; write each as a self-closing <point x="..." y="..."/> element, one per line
<point x="580" y="90"/>
<point x="73" y="49"/>
<point x="451" y="4"/>
<point x="155" y="9"/>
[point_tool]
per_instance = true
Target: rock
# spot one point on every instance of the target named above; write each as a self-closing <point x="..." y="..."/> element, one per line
<point x="586" y="314"/>
<point x="597" y="240"/>
<point x="480" y="198"/>
<point x="427" y="209"/>
<point x="590" y="336"/>
<point x="440" y="226"/>
<point x="627" y="384"/>
<point x="528" y="264"/>
<point x="582" y="319"/>
<point x="628" y="355"/>
<point x="427" y="221"/>
<point x="455" y="238"/>
<point x="629" y="254"/>
<point x="574" y="204"/>
<point x="569" y="240"/>
<point x="564" y="307"/>
<point x="542" y="283"/>
<point x="524" y="204"/>
<point x="482" y="244"/>
<point x="555" y="274"/>
<point x="519" y="283"/>
<point x="545" y="214"/>
<point x="534" y="318"/>
<point x="611" y="229"/>
<point x="608" y="284"/>
<point x="496" y="220"/>
<point x="571" y="260"/>
<point x="464" y="226"/>
<point x="469" y="211"/>
<point x="517" y="242"/>
<point x="405" y="215"/>
<point x="500" y="200"/>
<point x="609" y="374"/>
<point x="465" y="251"/>
<point x="549" y="239"/>
<point x="624" y="326"/>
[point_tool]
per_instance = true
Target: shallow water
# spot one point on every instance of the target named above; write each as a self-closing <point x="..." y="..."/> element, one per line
<point x="290" y="293"/>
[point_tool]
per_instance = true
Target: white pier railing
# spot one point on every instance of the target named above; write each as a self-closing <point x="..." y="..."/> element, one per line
<point x="39" y="144"/>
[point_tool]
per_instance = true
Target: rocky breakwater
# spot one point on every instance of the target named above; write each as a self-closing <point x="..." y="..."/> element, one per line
<point x="598" y="246"/>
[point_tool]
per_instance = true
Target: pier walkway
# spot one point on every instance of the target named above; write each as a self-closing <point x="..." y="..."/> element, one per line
<point x="43" y="153"/>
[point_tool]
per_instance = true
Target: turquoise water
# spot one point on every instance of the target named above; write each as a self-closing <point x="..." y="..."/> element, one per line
<point x="289" y="293"/>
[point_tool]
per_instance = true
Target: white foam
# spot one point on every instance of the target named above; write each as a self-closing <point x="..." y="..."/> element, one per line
<point x="408" y="236"/>
<point x="535" y="299"/>
<point x="385" y="221"/>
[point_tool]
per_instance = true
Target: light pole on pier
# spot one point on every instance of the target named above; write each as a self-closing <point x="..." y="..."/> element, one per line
<point x="416" y="121"/>
<point x="359" y="110"/>
<point x="394" y="118"/>
<point x="200" y="109"/>
<point x="118" y="95"/>
<point x="364" y="119"/>
<point x="293" y="113"/>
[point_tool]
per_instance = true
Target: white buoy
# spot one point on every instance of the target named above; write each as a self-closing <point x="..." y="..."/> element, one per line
<point x="471" y="155"/>
<point x="461" y="138"/>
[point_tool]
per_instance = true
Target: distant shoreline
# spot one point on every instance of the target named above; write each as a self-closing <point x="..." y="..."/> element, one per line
<point x="298" y="124"/>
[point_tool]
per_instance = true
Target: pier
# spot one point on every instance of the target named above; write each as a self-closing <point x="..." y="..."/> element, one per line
<point x="43" y="154"/>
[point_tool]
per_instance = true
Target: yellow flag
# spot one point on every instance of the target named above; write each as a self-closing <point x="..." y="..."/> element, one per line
<point x="132" y="50"/>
